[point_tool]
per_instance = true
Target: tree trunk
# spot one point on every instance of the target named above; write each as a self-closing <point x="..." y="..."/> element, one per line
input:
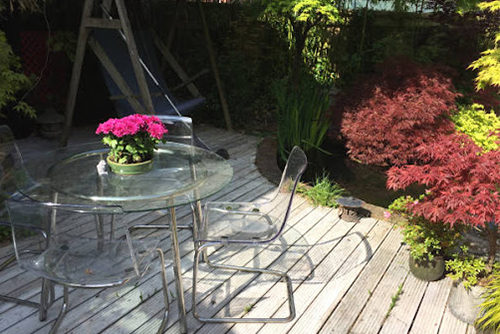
<point x="492" y="238"/>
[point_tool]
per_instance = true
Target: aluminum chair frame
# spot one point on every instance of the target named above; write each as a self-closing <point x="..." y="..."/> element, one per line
<point x="201" y="246"/>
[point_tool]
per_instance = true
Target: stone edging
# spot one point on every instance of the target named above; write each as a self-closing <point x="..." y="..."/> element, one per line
<point x="266" y="163"/>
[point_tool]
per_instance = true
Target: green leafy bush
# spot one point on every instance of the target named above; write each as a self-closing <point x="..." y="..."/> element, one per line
<point x="488" y="65"/>
<point x="426" y="239"/>
<point x="466" y="268"/>
<point x="12" y="80"/>
<point x="478" y="124"/>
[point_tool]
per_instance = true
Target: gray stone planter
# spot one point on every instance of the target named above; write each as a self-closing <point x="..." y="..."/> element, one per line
<point x="427" y="270"/>
<point x="464" y="304"/>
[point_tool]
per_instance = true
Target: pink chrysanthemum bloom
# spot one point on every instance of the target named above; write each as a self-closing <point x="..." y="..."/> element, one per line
<point x="132" y="138"/>
<point x="157" y="130"/>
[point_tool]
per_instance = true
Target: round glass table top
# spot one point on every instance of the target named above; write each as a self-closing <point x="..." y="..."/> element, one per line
<point x="181" y="174"/>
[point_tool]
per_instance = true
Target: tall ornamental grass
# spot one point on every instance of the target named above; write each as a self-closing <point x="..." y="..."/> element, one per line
<point x="301" y="115"/>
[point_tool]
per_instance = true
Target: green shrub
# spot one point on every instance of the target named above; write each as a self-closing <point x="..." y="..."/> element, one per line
<point x="12" y="80"/>
<point x="466" y="268"/>
<point x="478" y="124"/>
<point x="426" y="239"/>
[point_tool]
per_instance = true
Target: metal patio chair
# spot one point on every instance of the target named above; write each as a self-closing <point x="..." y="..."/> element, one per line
<point x="249" y="224"/>
<point x="180" y="130"/>
<point x="72" y="254"/>
<point x="12" y="174"/>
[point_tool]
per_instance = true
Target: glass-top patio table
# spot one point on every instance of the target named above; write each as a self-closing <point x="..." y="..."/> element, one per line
<point x="181" y="174"/>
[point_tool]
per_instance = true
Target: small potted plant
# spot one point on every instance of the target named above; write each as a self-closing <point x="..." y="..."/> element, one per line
<point x="470" y="275"/>
<point x="132" y="141"/>
<point x="429" y="242"/>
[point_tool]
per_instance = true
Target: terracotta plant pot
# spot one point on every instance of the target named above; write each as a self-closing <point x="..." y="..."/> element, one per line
<point x="427" y="270"/>
<point x="130" y="169"/>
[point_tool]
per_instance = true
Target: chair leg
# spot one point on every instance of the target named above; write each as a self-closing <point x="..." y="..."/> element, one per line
<point x="291" y="304"/>
<point x="165" y="292"/>
<point x="46" y="297"/>
<point x="62" y="313"/>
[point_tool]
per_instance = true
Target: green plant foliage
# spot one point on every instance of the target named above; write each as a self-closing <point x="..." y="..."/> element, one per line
<point x="478" y="124"/>
<point x="65" y="42"/>
<point x="394" y="299"/>
<point x="301" y="115"/>
<point x="490" y="307"/>
<point x="425" y="239"/>
<point x="307" y="25"/>
<point x="323" y="192"/>
<point x="489" y="68"/>
<point x="488" y="65"/>
<point x="252" y="57"/>
<point x="466" y="268"/>
<point x="12" y="80"/>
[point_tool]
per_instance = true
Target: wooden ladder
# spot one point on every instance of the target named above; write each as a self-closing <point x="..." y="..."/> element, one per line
<point x="86" y="25"/>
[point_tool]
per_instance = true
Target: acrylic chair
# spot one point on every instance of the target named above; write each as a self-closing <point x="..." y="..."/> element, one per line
<point x="73" y="255"/>
<point x="13" y="175"/>
<point x="249" y="224"/>
<point x="180" y="130"/>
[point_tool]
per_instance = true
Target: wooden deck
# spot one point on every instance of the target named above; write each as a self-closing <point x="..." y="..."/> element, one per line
<point x="345" y="276"/>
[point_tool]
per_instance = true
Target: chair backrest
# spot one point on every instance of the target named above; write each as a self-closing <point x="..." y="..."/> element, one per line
<point x="180" y="129"/>
<point x="60" y="242"/>
<point x="12" y="172"/>
<point x="281" y="201"/>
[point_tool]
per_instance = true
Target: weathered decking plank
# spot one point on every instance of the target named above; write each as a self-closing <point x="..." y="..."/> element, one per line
<point x="355" y="299"/>
<point x="452" y="324"/>
<point x="378" y="307"/>
<point x="431" y="310"/>
<point x="401" y="317"/>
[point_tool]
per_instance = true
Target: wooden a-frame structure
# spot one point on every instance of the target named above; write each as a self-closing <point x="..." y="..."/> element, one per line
<point x="88" y="22"/>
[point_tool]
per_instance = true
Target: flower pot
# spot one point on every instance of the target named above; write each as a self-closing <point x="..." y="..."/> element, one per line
<point x="130" y="169"/>
<point x="427" y="270"/>
<point x="464" y="304"/>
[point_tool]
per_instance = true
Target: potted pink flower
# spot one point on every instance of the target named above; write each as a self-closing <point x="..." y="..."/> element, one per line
<point x="132" y="141"/>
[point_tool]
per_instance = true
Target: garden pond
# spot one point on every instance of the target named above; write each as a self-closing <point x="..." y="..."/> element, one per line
<point x="366" y="182"/>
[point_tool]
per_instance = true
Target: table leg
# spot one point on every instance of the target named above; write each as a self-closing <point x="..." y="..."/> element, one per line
<point x="197" y="219"/>
<point x="178" y="272"/>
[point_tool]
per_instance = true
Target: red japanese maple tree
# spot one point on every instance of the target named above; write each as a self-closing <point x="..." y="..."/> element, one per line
<point x="388" y="115"/>
<point x="463" y="184"/>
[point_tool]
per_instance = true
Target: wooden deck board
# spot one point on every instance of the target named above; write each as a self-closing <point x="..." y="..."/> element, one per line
<point x="344" y="275"/>
<point x="402" y="315"/>
<point x="371" y="319"/>
<point x="431" y="310"/>
<point x="355" y="299"/>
